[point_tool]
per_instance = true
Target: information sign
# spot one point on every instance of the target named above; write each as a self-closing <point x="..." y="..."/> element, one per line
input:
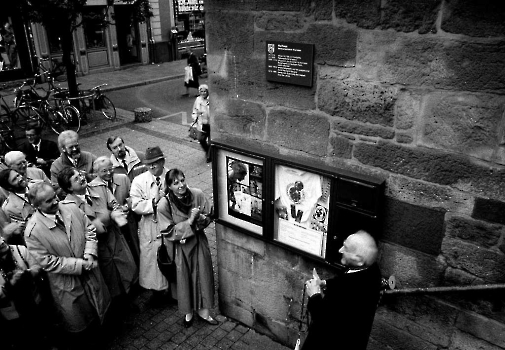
<point x="290" y="63"/>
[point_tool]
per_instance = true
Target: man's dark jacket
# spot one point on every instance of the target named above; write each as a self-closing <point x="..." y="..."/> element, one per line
<point x="343" y="319"/>
<point x="48" y="151"/>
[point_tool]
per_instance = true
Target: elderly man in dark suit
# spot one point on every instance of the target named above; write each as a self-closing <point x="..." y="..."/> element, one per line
<point x="38" y="151"/>
<point x="343" y="307"/>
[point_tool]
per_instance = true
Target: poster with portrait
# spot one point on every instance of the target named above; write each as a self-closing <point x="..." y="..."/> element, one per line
<point x="301" y="209"/>
<point x="240" y="190"/>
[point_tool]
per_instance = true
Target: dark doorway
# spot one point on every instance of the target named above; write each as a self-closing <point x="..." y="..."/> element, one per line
<point x="128" y="38"/>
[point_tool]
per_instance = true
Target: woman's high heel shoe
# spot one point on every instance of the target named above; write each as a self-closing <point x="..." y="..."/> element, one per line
<point x="189" y="323"/>
<point x="209" y="320"/>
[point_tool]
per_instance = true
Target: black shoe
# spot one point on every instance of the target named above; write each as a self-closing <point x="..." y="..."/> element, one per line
<point x="209" y="320"/>
<point x="189" y="323"/>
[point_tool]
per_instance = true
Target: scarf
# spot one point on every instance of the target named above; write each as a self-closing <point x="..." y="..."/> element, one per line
<point x="185" y="203"/>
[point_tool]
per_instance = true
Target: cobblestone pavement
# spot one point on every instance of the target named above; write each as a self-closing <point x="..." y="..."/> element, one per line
<point x="161" y="328"/>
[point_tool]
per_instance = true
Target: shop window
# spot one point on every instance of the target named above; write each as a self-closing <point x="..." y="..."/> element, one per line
<point x="9" y="57"/>
<point x="93" y="26"/>
<point x="303" y="208"/>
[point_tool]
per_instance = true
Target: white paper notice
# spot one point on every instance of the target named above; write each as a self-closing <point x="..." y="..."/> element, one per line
<point x="301" y="238"/>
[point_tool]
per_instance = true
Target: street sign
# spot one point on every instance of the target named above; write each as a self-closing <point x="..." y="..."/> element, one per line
<point x="291" y="63"/>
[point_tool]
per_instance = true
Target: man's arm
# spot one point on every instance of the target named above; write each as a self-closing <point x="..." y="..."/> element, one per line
<point x="141" y="202"/>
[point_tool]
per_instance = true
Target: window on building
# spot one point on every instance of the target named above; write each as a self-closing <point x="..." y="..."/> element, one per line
<point x="9" y="57"/>
<point x="93" y="25"/>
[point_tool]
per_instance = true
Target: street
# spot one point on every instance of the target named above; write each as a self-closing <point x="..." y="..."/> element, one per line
<point x="163" y="98"/>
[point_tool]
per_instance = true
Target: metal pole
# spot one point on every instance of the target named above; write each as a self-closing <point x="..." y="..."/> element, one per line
<point x="450" y="289"/>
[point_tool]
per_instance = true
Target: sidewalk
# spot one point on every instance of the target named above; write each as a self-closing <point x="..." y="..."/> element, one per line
<point x="162" y="328"/>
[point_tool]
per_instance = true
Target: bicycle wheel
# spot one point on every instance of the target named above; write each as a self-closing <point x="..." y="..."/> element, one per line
<point x="107" y="108"/>
<point x="67" y="118"/>
<point x="8" y="141"/>
<point x="24" y="115"/>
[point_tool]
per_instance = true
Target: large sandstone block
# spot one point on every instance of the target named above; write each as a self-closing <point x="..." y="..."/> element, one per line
<point x="473" y="231"/>
<point x="413" y="226"/>
<point x="426" y="329"/>
<point x="241" y="118"/>
<point x="230" y="31"/>
<point x="322" y="10"/>
<point x="363" y="129"/>
<point x="465" y="341"/>
<point x="306" y="132"/>
<point x="482" y="328"/>
<point x="465" y="123"/>
<point x="484" y="263"/>
<point x="365" y="13"/>
<point x="429" y="195"/>
<point x="397" y="339"/>
<point x="279" y="21"/>
<point x="433" y="166"/>
<point x="408" y="109"/>
<point x="357" y="100"/>
<point x="489" y="210"/>
<point x="431" y="62"/>
<point x="410" y="267"/>
<point x="484" y="18"/>
<point x="409" y="16"/>
<point x="340" y="147"/>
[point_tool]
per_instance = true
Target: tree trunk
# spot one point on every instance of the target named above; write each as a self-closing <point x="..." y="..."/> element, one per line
<point x="67" y="48"/>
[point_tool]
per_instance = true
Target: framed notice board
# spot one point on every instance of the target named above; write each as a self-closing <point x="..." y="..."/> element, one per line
<point x="291" y="63"/>
<point x="303" y="207"/>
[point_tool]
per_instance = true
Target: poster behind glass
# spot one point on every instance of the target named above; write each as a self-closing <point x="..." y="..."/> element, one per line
<point x="240" y="186"/>
<point x="301" y="209"/>
<point x="9" y="57"/>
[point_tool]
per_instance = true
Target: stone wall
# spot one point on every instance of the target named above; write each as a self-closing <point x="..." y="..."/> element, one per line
<point x="410" y="91"/>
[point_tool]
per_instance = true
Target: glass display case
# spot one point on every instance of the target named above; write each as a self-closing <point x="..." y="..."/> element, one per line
<point x="302" y="207"/>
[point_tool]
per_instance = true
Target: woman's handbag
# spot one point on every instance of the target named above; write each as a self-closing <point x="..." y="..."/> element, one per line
<point x="165" y="263"/>
<point x="196" y="134"/>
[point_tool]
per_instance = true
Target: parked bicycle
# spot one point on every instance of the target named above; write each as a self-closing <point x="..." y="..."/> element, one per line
<point x="91" y="103"/>
<point x="51" y="112"/>
<point x="11" y="116"/>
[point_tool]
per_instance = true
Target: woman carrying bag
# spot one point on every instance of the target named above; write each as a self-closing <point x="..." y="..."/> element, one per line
<point x="201" y="116"/>
<point x="183" y="215"/>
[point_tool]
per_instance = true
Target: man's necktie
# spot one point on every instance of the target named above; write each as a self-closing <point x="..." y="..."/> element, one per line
<point x="88" y="200"/>
<point x="36" y="148"/>
<point x="158" y="182"/>
<point x="109" y="185"/>
<point x="59" y="222"/>
<point x="125" y="166"/>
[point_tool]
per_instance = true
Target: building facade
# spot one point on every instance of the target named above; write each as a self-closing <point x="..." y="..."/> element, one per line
<point x="407" y="92"/>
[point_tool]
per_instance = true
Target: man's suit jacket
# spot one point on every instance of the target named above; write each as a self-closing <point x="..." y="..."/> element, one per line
<point x="48" y="151"/>
<point x="85" y="163"/>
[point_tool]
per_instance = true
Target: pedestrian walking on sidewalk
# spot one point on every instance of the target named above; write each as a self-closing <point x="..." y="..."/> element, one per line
<point x="192" y="81"/>
<point x="202" y="117"/>
<point x="183" y="216"/>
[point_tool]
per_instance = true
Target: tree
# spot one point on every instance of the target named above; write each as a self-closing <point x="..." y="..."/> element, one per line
<point x="65" y="16"/>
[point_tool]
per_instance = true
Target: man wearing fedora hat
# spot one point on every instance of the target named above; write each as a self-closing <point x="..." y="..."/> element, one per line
<point x="146" y="190"/>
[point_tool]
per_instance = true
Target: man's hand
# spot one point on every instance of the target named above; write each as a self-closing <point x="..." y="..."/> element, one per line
<point x="41" y="161"/>
<point x="313" y="287"/>
<point x="16" y="276"/>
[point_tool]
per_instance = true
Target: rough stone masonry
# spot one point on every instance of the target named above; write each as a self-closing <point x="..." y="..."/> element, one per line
<point x="410" y="91"/>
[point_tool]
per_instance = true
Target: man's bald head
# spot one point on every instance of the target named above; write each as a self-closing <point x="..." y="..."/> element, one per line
<point x="359" y="250"/>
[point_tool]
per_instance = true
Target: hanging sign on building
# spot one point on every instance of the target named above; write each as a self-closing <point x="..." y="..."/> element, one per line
<point x="290" y="63"/>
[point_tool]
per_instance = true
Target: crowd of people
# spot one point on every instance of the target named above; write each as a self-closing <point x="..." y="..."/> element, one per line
<point x="80" y="236"/>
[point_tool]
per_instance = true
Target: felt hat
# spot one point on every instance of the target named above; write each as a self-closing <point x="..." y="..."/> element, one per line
<point x="153" y="154"/>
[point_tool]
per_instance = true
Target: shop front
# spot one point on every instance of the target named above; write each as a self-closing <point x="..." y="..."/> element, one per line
<point x="15" y="55"/>
<point x="98" y="47"/>
<point x="190" y="19"/>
